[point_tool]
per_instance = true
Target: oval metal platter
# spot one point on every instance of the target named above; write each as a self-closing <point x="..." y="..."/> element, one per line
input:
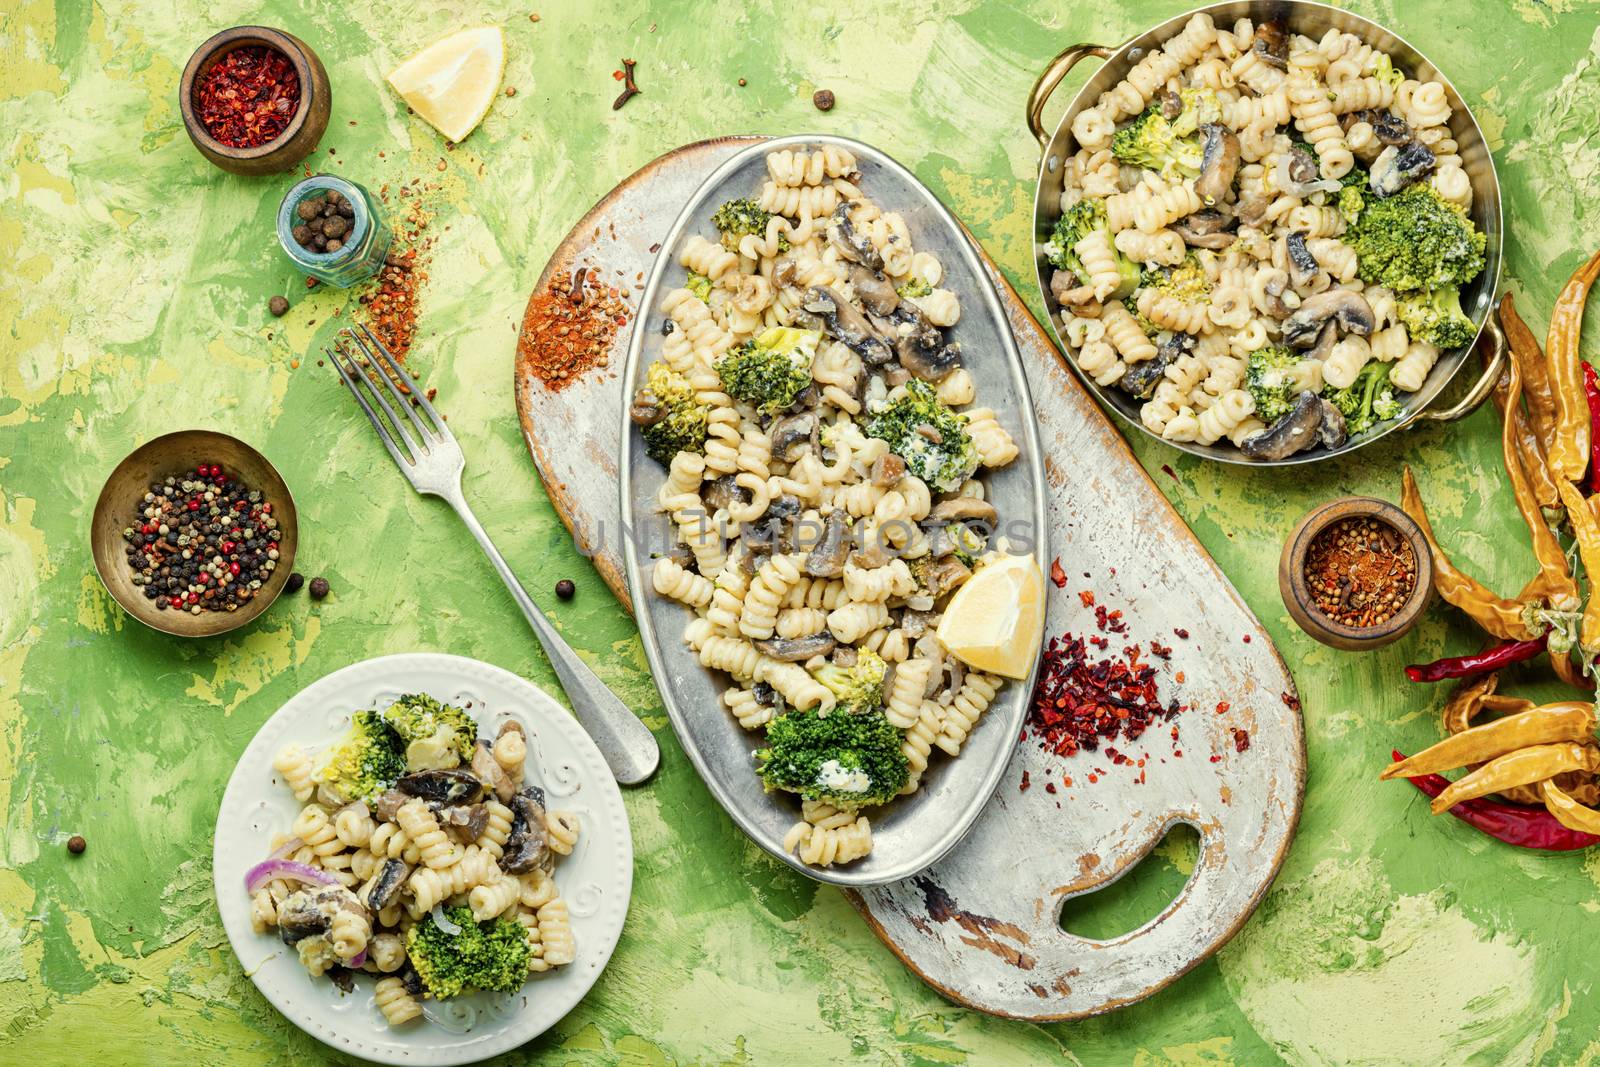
<point x="913" y="832"/>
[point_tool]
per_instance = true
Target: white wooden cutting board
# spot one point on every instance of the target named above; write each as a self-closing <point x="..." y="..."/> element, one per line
<point x="981" y="925"/>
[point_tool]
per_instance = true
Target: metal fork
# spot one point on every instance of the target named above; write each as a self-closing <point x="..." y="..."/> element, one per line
<point x="428" y="455"/>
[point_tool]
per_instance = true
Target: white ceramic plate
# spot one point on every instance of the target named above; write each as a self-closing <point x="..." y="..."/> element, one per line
<point x="596" y="879"/>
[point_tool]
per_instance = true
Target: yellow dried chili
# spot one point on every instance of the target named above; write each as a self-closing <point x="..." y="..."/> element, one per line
<point x="1554" y="583"/>
<point x="1568" y="450"/>
<point x="1587" y="532"/>
<point x="1498" y="616"/>
<point x="1569" y="720"/>
<point x="1568" y="811"/>
<point x="1522" y="767"/>
<point x="1529" y="450"/>
<point x="1529" y="358"/>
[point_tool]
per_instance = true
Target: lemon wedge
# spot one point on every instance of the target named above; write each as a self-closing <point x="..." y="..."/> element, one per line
<point x="995" y="621"/>
<point x="452" y="82"/>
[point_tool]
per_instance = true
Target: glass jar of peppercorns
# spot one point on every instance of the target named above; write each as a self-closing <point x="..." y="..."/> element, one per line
<point x="333" y="230"/>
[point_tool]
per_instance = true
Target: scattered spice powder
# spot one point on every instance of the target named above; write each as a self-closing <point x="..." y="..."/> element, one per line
<point x="569" y="327"/>
<point x="1360" y="572"/>
<point x="391" y="303"/>
<point x="248" y="96"/>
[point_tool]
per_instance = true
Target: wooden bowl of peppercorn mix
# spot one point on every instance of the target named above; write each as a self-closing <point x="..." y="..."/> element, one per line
<point x="1356" y="573"/>
<point x="194" y="533"/>
<point x="255" y="100"/>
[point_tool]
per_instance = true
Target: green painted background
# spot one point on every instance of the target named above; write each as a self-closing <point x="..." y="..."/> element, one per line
<point x="132" y="301"/>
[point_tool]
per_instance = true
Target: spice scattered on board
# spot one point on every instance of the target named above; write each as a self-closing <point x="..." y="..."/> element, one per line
<point x="201" y="542"/>
<point x="569" y="327"/>
<point x="391" y="305"/>
<point x="1360" y="572"/>
<point x="248" y="96"/>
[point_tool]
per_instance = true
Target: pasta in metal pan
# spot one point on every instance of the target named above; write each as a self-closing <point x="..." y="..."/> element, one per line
<point x="1298" y="204"/>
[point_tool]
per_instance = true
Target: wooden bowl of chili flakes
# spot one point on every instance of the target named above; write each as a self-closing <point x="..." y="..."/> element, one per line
<point x="255" y="100"/>
<point x="1356" y="573"/>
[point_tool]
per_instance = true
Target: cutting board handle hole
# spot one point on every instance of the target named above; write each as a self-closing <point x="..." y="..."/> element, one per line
<point x="1140" y="894"/>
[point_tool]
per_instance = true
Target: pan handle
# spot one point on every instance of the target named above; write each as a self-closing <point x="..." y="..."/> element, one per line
<point x="1484" y="385"/>
<point x="1039" y="95"/>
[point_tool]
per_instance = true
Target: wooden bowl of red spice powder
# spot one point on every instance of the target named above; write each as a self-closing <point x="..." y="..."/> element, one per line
<point x="1356" y="573"/>
<point x="255" y="100"/>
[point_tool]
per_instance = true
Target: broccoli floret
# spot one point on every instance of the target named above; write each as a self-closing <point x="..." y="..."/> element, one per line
<point x="1436" y="318"/>
<point x="699" y="285"/>
<point x="1353" y="195"/>
<point x="1416" y="240"/>
<point x="1366" y="401"/>
<point x="925" y="433"/>
<point x="1186" y="281"/>
<point x="1271" y="385"/>
<point x="846" y="759"/>
<point x="1076" y="223"/>
<point x="915" y="287"/>
<point x="738" y="217"/>
<point x="493" y="955"/>
<point x="770" y="370"/>
<point x="419" y="717"/>
<point x="1169" y="146"/>
<point x="369" y="759"/>
<point x="682" y="427"/>
<point x="858" y="688"/>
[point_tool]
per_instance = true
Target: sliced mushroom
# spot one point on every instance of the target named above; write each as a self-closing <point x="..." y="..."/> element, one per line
<point x="1391" y="129"/>
<point x="1296" y="430"/>
<point x="464" y="822"/>
<point x="874" y="290"/>
<point x="724" y="493"/>
<point x="384" y="887"/>
<point x="886" y="470"/>
<point x="1398" y="166"/>
<point x="1277" y="295"/>
<point x="916" y="623"/>
<point x="790" y="432"/>
<point x="681" y="555"/>
<point x="964" y="509"/>
<point x="846" y="657"/>
<point x="826" y="559"/>
<point x="1065" y="284"/>
<point x="1344" y="306"/>
<point x="796" y="649"/>
<point x="527" y="847"/>
<point x="931" y="365"/>
<point x="1325" y="341"/>
<point x="855" y="247"/>
<point x="301" y="916"/>
<point x="389" y="802"/>
<point x="846" y="322"/>
<point x="646" y="409"/>
<point x="1296" y="174"/>
<point x="490" y="773"/>
<point x="1303" y="266"/>
<point x="1171" y="104"/>
<point x="1218" y="163"/>
<point x="944" y="575"/>
<point x="1252" y="208"/>
<point x="1141" y="379"/>
<point x="1332" y="432"/>
<point x="1206" y="229"/>
<point x="1272" y="43"/>
<point x="442" y="787"/>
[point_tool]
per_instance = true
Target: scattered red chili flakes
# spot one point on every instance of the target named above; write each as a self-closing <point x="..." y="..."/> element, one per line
<point x="1290" y="701"/>
<point x="1241" y="740"/>
<point x="569" y="327"/>
<point x="1222" y="707"/>
<point x="1086" y="597"/>
<point x="1160" y="650"/>
<point x="247" y="97"/>
<point x="1023" y="788"/>
<point x="1079" y="701"/>
<point x="1181" y="634"/>
<point x="391" y="303"/>
<point x="1058" y="575"/>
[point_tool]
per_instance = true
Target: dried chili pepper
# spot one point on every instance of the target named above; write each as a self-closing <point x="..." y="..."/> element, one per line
<point x="1519" y="826"/>
<point x="1569" y="448"/>
<point x="1586" y="530"/>
<point x="1591" y="392"/>
<point x="1501" y="655"/>
<point x="247" y="97"/>
<point x="1567" y="720"/>
<point x="1554" y="583"/>
<point x="1525" y="766"/>
<point x="1500" y="617"/>
<point x="1567" y="810"/>
<point x="1535" y="373"/>
<point x="1529" y="447"/>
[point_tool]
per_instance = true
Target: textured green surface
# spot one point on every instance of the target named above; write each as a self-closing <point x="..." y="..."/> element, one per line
<point x="132" y="301"/>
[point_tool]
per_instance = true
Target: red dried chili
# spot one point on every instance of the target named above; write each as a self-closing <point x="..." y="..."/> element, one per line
<point x="1514" y="824"/>
<point x="1078" y="701"/>
<point x="1492" y="659"/>
<point x="248" y="96"/>
<point x="1591" y="392"/>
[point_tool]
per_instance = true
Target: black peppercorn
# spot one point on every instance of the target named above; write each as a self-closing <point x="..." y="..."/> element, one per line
<point x="565" y="589"/>
<point x="278" y="305"/>
<point x="319" y="588"/>
<point x="76" y="844"/>
<point x="296" y="580"/>
<point x="823" y="99"/>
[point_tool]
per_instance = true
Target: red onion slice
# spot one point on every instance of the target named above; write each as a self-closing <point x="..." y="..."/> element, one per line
<point x="271" y="870"/>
